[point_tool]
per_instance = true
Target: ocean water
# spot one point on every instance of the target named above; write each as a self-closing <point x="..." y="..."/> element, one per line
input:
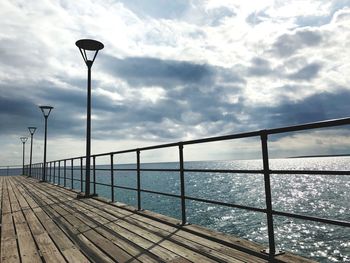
<point x="325" y="196"/>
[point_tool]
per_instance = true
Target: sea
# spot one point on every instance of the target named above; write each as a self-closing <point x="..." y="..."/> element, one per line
<point x="326" y="196"/>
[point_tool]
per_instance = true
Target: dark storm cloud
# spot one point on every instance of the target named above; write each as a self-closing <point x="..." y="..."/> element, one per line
<point x="287" y="44"/>
<point x="306" y="73"/>
<point x="14" y="112"/>
<point x="141" y="71"/>
<point x="317" y="107"/>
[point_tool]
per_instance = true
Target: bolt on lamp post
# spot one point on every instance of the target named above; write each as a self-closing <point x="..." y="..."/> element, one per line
<point x="23" y="139"/>
<point x="31" y="131"/>
<point x="92" y="46"/>
<point x="46" y="112"/>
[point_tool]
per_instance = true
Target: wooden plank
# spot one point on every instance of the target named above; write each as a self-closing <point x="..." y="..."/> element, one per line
<point x="115" y="237"/>
<point x="180" y="249"/>
<point x="26" y="245"/>
<point x="46" y="246"/>
<point x="9" y="251"/>
<point x="119" y="225"/>
<point x="236" y="247"/>
<point x="99" y="241"/>
<point x="195" y="247"/>
<point x="64" y="244"/>
<point x="128" y="246"/>
<point x="85" y="226"/>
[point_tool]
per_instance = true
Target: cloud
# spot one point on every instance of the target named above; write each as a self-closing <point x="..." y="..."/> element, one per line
<point x="308" y="72"/>
<point x="152" y="71"/>
<point x="288" y="44"/>
<point x="317" y="107"/>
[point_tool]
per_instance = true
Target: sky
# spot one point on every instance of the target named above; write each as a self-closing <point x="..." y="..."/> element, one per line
<point x="173" y="71"/>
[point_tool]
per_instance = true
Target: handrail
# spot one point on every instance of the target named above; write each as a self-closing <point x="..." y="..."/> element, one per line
<point x="63" y="166"/>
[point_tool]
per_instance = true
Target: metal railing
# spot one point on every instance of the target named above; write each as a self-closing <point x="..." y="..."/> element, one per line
<point x="58" y="171"/>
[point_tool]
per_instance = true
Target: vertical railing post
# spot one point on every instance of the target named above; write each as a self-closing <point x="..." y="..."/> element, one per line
<point x="64" y="173"/>
<point x="94" y="173"/>
<point x="54" y="172"/>
<point x="81" y="174"/>
<point x="50" y="172"/>
<point x="182" y="185"/>
<point x="138" y="167"/>
<point x="71" y="174"/>
<point x="269" y="213"/>
<point x="59" y="172"/>
<point x="112" y="178"/>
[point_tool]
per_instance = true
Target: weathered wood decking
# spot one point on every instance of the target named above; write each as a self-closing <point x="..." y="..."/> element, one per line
<point x="41" y="222"/>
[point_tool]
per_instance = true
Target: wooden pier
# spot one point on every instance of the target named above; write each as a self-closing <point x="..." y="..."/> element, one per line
<point x="41" y="222"/>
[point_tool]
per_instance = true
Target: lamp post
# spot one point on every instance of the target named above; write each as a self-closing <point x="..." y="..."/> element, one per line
<point x="88" y="49"/>
<point x="46" y="112"/>
<point x="23" y="139"/>
<point x="31" y="131"/>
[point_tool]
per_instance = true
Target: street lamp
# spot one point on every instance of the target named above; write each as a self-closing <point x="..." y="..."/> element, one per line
<point x="23" y="139"/>
<point x="88" y="49"/>
<point x="32" y="131"/>
<point x="46" y="112"/>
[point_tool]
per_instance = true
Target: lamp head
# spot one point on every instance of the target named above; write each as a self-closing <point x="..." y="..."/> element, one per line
<point x="46" y="110"/>
<point x="32" y="130"/>
<point x="24" y="139"/>
<point x="88" y="49"/>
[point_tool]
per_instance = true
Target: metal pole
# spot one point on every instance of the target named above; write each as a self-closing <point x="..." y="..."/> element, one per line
<point x="72" y="174"/>
<point x="81" y="174"/>
<point x="50" y="172"/>
<point x="64" y="173"/>
<point x="44" y="166"/>
<point x="269" y="215"/>
<point x="31" y="152"/>
<point x="94" y="173"/>
<point x="112" y="179"/>
<point x="182" y="184"/>
<point x="88" y="132"/>
<point x="54" y="172"/>
<point x="138" y="181"/>
<point x="23" y="158"/>
<point x="59" y="173"/>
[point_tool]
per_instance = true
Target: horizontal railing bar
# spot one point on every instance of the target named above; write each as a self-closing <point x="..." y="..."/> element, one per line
<point x="226" y="204"/>
<point x="309" y="126"/>
<point x="310" y="172"/>
<point x="224" y="171"/>
<point x="312" y="218"/>
<point x="185" y="170"/>
<point x="159" y="193"/>
<point x="124" y="187"/>
<point x="109" y="185"/>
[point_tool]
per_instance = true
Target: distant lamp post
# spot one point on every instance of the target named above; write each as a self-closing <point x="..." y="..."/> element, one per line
<point x="46" y="112"/>
<point x="88" y="49"/>
<point x="31" y="131"/>
<point x="23" y="139"/>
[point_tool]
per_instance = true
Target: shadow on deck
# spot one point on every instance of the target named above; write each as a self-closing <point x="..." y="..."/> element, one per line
<point x="41" y="222"/>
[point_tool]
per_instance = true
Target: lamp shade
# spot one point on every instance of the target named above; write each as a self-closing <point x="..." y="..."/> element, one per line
<point x="46" y="110"/>
<point x="89" y="49"/>
<point x="32" y="130"/>
<point x="24" y="139"/>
